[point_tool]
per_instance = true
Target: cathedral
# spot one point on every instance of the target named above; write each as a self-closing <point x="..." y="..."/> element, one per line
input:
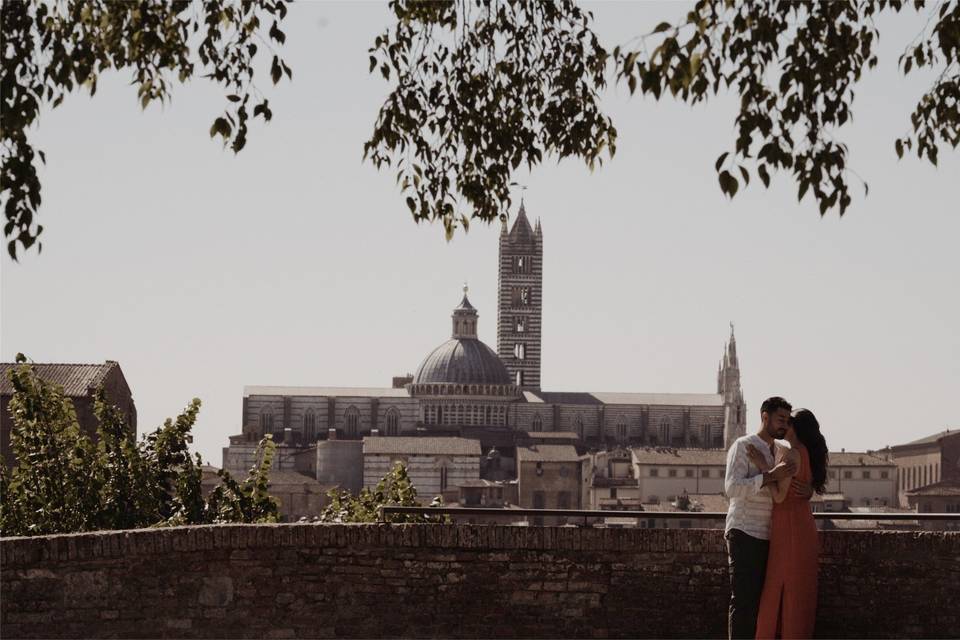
<point x="464" y="388"/>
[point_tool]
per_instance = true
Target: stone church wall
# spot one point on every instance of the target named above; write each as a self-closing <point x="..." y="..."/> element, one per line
<point x="458" y="581"/>
<point x="424" y="471"/>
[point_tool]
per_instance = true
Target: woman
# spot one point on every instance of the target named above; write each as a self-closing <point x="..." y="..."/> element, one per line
<point x="788" y="605"/>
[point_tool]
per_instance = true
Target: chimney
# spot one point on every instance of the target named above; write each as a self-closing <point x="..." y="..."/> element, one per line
<point x="331" y="434"/>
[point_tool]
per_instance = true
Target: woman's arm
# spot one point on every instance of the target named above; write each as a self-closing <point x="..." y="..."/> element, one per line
<point x="782" y="487"/>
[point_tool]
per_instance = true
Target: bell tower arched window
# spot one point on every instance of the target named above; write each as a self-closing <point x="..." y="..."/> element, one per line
<point x="537" y="423"/>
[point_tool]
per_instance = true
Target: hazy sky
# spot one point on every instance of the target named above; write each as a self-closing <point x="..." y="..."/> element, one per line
<point x="295" y="263"/>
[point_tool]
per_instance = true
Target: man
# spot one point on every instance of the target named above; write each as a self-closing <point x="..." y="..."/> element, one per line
<point x="748" y="517"/>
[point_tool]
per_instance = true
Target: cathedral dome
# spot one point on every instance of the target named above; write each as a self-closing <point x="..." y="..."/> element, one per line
<point x="462" y="361"/>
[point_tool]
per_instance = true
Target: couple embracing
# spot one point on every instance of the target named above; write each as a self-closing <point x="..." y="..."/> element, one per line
<point x="771" y="536"/>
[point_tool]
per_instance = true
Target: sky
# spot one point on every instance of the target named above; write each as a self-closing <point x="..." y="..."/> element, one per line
<point x="295" y="263"/>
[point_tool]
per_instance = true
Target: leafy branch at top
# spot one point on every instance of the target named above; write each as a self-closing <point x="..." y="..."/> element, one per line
<point x="53" y="49"/>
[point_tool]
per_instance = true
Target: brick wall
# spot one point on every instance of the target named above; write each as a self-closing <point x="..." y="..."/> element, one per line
<point x="447" y="580"/>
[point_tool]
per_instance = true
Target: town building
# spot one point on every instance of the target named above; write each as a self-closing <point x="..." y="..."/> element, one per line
<point x="925" y="461"/>
<point x="436" y="466"/>
<point x="550" y="476"/>
<point x="79" y="383"/>
<point x="612" y="482"/>
<point x="939" y="497"/>
<point x="864" y="479"/>
<point x="663" y="473"/>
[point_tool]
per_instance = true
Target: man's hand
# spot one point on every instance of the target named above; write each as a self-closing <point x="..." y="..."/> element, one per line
<point x="757" y="458"/>
<point x="783" y="470"/>
<point x="802" y="489"/>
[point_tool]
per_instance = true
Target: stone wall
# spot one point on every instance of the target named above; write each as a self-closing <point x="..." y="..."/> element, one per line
<point x="447" y="581"/>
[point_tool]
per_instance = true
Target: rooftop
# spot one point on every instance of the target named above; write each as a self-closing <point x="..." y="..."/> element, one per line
<point x="547" y="453"/>
<point x="857" y="459"/>
<point x="931" y="439"/>
<point x="425" y="446"/>
<point x="604" y="397"/>
<point x="342" y="392"/>
<point x="669" y="455"/>
<point x="942" y="488"/>
<point x="76" y="379"/>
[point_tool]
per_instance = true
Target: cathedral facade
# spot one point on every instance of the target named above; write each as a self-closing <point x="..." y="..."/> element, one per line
<point x="464" y="388"/>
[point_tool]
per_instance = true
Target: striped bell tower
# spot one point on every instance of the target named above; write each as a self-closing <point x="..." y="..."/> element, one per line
<point x="520" y="301"/>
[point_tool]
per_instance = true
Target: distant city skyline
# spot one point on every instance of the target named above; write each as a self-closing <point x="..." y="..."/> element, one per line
<point x="294" y="263"/>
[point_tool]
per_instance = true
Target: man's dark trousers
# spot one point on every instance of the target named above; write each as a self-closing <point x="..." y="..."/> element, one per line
<point x="748" y="567"/>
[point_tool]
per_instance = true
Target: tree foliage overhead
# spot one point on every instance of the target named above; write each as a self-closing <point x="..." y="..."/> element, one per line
<point x="480" y="90"/>
<point x="64" y="483"/>
<point x="51" y="49"/>
<point x="482" y="86"/>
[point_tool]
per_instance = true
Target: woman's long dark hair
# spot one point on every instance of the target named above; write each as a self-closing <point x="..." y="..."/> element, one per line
<point x="808" y="433"/>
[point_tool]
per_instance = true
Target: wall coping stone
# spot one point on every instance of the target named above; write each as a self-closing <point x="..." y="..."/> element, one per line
<point x="24" y="551"/>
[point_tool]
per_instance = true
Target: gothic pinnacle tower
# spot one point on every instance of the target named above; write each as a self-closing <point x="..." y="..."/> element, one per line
<point x="728" y="385"/>
<point x="520" y="301"/>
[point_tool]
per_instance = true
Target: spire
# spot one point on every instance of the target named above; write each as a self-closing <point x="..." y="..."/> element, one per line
<point x="538" y="230"/>
<point x="465" y="318"/>
<point x="732" y="347"/>
<point x="521" y="226"/>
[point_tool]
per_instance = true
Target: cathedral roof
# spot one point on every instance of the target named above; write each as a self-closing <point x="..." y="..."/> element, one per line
<point x="462" y="361"/>
<point x="601" y="397"/>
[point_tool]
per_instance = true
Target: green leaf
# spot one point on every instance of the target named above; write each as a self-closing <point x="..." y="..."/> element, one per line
<point x="764" y="176"/>
<point x="898" y="145"/>
<point x="728" y="184"/>
<point x="663" y="26"/>
<point x="719" y="163"/>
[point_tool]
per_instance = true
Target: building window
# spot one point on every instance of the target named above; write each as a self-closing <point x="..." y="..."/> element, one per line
<point x="578" y="425"/>
<point x="613" y="492"/>
<point x="539" y="500"/>
<point x="521" y="296"/>
<point x="351" y="418"/>
<point x="664" y="435"/>
<point x="866" y="474"/>
<point x="832" y="475"/>
<point x="705" y="473"/>
<point x="522" y="264"/>
<point x="519" y="351"/>
<point x="654" y="472"/>
<point x="848" y="475"/>
<point x="884" y="475"/>
<point x="537" y="423"/>
<point x="521" y="325"/>
<point x="393" y="422"/>
<point x="443" y="478"/>
<point x="519" y="382"/>
<point x="689" y="473"/>
<point x="266" y="422"/>
<point x="621" y="429"/>
<point x="563" y="500"/>
<point x="672" y="473"/>
<point x="309" y="426"/>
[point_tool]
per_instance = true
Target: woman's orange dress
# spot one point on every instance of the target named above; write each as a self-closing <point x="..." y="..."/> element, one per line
<point x="788" y="605"/>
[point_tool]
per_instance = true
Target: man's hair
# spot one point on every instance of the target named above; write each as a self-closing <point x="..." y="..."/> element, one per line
<point x="770" y="405"/>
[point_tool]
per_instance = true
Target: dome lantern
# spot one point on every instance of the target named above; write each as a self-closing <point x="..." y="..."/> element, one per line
<point x="465" y="318"/>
